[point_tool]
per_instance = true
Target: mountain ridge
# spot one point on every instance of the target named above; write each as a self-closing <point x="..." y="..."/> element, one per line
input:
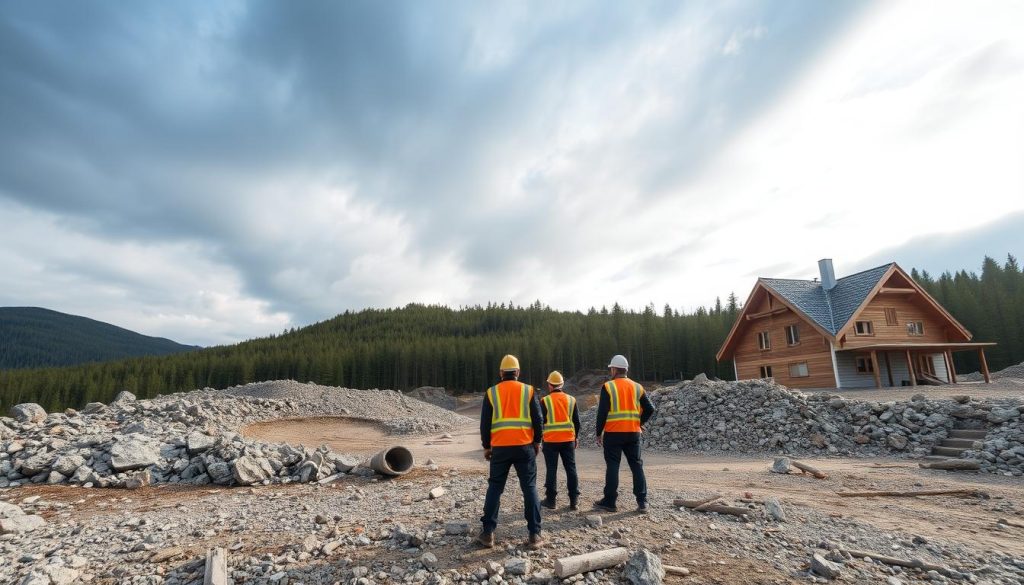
<point x="36" y="337"/>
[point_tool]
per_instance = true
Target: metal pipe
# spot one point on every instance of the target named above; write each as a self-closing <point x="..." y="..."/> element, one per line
<point x="393" y="461"/>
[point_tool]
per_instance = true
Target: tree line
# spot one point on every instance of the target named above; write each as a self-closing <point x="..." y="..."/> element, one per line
<point x="989" y="305"/>
<point x="459" y="349"/>
<point x="408" y="347"/>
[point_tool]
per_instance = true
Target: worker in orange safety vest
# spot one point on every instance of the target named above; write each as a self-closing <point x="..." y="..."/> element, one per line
<point x="622" y="410"/>
<point x="561" y="427"/>
<point x="511" y="433"/>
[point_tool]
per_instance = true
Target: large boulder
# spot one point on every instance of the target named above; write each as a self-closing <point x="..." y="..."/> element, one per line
<point x="21" y="524"/>
<point x="129" y="454"/>
<point x="247" y="470"/>
<point x="36" y="464"/>
<point x="198" y="442"/>
<point x="28" y="412"/>
<point x="644" y="568"/>
<point x="68" y="464"/>
<point x="124" y="397"/>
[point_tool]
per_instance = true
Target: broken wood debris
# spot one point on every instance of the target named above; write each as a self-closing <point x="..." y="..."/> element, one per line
<point x="952" y="465"/>
<point x="592" y="561"/>
<point x="804" y="468"/>
<point x="706" y="505"/>
<point x="910" y="564"/>
<point x="911" y="494"/>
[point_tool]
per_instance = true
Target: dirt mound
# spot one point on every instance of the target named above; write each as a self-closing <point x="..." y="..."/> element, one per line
<point x="1014" y="371"/>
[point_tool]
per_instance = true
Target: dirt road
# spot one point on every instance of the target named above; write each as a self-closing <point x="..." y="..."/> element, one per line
<point x="970" y="522"/>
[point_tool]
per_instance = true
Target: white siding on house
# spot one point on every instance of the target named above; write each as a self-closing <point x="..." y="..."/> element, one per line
<point x="846" y="363"/>
<point x="849" y="377"/>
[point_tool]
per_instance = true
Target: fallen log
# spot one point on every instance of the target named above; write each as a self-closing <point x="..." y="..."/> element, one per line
<point x="910" y="564"/>
<point x="952" y="465"/>
<point x="216" y="567"/>
<point x="803" y="467"/>
<point x="584" y="563"/>
<point x="711" y="507"/>
<point x="962" y="493"/>
<point x="678" y="571"/>
<point x="695" y="503"/>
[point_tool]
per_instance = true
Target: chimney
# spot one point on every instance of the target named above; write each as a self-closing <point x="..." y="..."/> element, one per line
<point x="828" y="275"/>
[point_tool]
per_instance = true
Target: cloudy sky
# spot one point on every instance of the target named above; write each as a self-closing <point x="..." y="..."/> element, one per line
<point x="214" y="171"/>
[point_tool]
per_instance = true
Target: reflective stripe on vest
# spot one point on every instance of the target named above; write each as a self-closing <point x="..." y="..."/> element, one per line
<point x="624" y="405"/>
<point x="558" y="427"/>
<point x="510" y="414"/>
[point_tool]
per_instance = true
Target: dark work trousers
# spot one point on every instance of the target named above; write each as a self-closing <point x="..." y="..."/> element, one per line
<point x="615" y="446"/>
<point x="525" y="461"/>
<point x="567" y="451"/>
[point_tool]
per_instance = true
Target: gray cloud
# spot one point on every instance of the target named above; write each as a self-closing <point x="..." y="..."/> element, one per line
<point x="298" y="145"/>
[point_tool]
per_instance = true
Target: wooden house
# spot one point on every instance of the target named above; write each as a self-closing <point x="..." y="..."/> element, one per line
<point x="867" y="330"/>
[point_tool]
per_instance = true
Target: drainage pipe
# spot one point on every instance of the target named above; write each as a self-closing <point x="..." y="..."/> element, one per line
<point x="395" y="460"/>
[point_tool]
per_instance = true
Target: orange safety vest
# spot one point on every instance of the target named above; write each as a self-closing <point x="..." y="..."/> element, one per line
<point x="511" y="425"/>
<point x="558" y="424"/>
<point x="624" y="399"/>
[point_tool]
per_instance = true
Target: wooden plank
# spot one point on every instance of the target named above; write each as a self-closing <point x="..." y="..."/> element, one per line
<point x="912" y="494"/>
<point x="888" y="368"/>
<point x="592" y="561"/>
<point x="753" y="316"/>
<point x="216" y="567"/>
<point x="910" y="367"/>
<point x="892" y="290"/>
<point x="984" y="365"/>
<point x="874" y="369"/>
<point x="950" y="367"/>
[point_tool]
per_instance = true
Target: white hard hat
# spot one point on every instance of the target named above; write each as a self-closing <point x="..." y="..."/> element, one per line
<point x="620" y="362"/>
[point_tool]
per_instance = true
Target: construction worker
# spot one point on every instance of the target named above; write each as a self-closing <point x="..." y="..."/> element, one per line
<point x="623" y="408"/>
<point x="561" y="427"/>
<point x="511" y="432"/>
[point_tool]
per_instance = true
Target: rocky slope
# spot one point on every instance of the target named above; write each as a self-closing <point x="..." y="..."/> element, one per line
<point x="192" y="437"/>
<point x="755" y="416"/>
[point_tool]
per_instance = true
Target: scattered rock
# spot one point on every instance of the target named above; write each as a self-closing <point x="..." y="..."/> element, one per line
<point x="781" y="465"/>
<point x="28" y="412"/>
<point x="824" y="568"/>
<point x="644" y="568"/>
<point x="774" y="509"/>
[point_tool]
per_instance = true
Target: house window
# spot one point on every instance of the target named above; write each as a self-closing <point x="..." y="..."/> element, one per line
<point x="864" y="365"/>
<point x="798" y="370"/>
<point x="864" y="328"/>
<point x="763" y="342"/>
<point x="915" y="328"/>
<point x="890" y="317"/>
<point x="792" y="334"/>
<point x="766" y="371"/>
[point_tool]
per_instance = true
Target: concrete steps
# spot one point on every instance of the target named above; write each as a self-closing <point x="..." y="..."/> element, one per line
<point x="959" y="440"/>
<point x="976" y="434"/>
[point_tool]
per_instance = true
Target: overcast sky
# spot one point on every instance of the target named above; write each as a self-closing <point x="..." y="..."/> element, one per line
<point x="214" y="171"/>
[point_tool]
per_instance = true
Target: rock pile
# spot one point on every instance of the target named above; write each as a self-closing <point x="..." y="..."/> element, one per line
<point x="760" y="416"/>
<point x="436" y="396"/>
<point x="1002" y="451"/>
<point x="1014" y="371"/>
<point x="190" y="438"/>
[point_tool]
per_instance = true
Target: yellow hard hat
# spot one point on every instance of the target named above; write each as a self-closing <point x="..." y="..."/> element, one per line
<point x="509" y="363"/>
<point x="555" y="378"/>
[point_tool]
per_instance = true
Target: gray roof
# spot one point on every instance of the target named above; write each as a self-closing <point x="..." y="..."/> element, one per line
<point x="833" y="308"/>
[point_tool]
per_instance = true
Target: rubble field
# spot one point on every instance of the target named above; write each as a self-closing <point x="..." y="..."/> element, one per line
<point x="289" y="498"/>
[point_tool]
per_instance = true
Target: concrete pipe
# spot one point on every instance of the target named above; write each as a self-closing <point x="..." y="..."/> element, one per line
<point x="395" y="460"/>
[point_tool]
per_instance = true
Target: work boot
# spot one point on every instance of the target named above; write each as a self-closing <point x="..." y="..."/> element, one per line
<point x="485" y="539"/>
<point x="641" y="508"/>
<point x="604" y="506"/>
<point x="548" y="502"/>
<point x="535" y="541"/>
<point x="574" y="505"/>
